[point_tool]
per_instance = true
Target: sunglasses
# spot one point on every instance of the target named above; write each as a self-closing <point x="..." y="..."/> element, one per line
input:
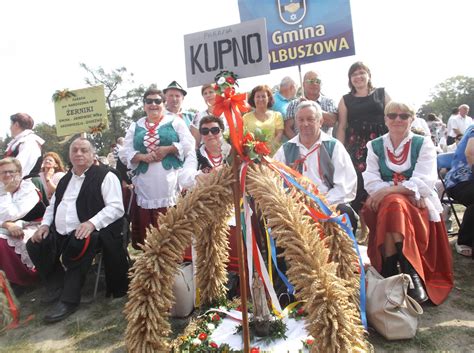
<point x="213" y="130"/>
<point x="157" y="101"/>
<point x="403" y="116"/>
<point x="313" y="80"/>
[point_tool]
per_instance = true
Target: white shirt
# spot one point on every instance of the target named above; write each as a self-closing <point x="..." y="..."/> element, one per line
<point x="158" y="187"/>
<point x="17" y="205"/>
<point x="461" y="124"/>
<point x="344" y="178"/>
<point x="450" y="125"/>
<point x="67" y="220"/>
<point x="422" y="181"/>
<point x="29" y="151"/>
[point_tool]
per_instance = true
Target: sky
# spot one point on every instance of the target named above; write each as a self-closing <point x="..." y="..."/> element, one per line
<point x="409" y="45"/>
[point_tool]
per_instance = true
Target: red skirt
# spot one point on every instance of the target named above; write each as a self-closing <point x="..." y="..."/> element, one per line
<point x="142" y="218"/>
<point x="16" y="271"/>
<point x="425" y="243"/>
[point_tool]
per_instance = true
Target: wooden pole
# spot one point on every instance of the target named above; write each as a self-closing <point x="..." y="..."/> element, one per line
<point x="301" y="80"/>
<point x="241" y="251"/>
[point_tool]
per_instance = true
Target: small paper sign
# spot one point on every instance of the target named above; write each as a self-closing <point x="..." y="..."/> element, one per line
<point x="81" y="110"/>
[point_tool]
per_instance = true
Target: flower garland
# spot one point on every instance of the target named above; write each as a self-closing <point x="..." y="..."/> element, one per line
<point x="198" y="338"/>
<point x="256" y="145"/>
<point x="64" y="94"/>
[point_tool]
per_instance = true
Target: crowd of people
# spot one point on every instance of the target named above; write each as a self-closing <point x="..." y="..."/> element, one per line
<point x="367" y="155"/>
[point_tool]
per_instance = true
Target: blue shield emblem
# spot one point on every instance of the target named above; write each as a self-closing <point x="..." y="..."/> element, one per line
<point x="292" y="11"/>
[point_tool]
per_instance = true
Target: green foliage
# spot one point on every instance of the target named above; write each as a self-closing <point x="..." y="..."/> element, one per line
<point x="448" y="95"/>
<point x="52" y="141"/>
<point x="124" y="106"/>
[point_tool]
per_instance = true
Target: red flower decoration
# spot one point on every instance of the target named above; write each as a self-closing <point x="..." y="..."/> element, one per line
<point x="247" y="138"/>
<point x="300" y="311"/>
<point x="229" y="92"/>
<point x="213" y="345"/>
<point x="230" y="79"/>
<point x="262" y="148"/>
<point x="255" y="350"/>
<point x="202" y="336"/>
<point x="216" y="87"/>
<point x="215" y="317"/>
<point x="309" y="341"/>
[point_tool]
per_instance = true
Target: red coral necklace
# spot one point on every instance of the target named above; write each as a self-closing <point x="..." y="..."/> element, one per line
<point x="215" y="160"/>
<point x="400" y="158"/>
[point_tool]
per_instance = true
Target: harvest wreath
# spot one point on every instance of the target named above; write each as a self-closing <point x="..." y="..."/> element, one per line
<point x="317" y="243"/>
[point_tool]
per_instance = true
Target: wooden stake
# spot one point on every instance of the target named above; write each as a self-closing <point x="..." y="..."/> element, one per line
<point x="241" y="251"/>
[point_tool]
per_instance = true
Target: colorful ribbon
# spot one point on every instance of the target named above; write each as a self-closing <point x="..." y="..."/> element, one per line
<point x="326" y="216"/>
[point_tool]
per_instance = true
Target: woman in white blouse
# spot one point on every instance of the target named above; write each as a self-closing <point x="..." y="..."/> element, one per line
<point x="20" y="214"/>
<point x="155" y="148"/>
<point x="403" y="209"/>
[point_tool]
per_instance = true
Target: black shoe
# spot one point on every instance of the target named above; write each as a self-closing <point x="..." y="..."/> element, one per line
<point x="60" y="311"/>
<point x="51" y="295"/>
<point x="418" y="291"/>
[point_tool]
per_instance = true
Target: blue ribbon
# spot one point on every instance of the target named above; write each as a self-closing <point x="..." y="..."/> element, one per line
<point x="289" y="286"/>
<point x="348" y="229"/>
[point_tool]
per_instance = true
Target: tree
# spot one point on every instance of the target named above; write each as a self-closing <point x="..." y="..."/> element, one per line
<point x="449" y="94"/>
<point x="53" y="143"/>
<point x="119" y="100"/>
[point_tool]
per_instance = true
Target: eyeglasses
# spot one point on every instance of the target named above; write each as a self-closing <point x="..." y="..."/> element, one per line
<point x="213" y="130"/>
<point x="5" y="172"/>
<point x="157" y="101"/>
<point x="403" y="116"/>
<point x="313" y="81"/>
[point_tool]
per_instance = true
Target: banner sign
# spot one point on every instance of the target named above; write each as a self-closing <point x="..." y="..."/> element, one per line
<point x="240" y="48"/>
<point x="303" y="31"/>
<point x="81" y="110"/>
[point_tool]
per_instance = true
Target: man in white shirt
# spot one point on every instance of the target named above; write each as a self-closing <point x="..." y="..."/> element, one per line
<point x="321" y="158"/>
<point x="86" y="210"/>
<point x="450" y="138"/>
<point x="462" y="121"/>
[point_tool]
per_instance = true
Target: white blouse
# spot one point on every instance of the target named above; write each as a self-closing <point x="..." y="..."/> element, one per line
<point x="422" y="181"/>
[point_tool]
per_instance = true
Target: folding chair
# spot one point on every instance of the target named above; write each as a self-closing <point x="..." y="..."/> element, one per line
<point x="126" y="240"/>
<point x="444" y="161"/>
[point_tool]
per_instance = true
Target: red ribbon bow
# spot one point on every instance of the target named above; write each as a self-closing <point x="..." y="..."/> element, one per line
<point x="236" y="104"/>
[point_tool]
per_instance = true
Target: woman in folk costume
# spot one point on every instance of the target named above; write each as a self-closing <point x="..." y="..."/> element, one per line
<point x="155" y="148"/>
<point x="403" y="209"/>
<point x="26" y="147"/>
<point x="21" y="210"/>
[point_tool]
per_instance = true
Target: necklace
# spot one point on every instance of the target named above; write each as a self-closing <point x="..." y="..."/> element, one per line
<point x="215" y="160"/>
<point x="400" y="158"/>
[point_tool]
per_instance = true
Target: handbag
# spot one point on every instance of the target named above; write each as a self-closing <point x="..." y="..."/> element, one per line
<point x="390" y="310"/>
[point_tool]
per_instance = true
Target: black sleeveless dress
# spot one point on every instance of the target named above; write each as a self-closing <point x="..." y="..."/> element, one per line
<point x="365" y="121"/>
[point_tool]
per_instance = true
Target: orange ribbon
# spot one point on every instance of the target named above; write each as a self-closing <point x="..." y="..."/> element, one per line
<point x="236" y="104"/>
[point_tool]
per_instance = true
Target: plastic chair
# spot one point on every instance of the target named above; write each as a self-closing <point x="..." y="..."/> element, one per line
<point x="444" y="161"/>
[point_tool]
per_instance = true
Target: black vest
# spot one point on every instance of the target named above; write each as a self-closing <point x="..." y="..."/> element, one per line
<point x="89" y="200"/>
